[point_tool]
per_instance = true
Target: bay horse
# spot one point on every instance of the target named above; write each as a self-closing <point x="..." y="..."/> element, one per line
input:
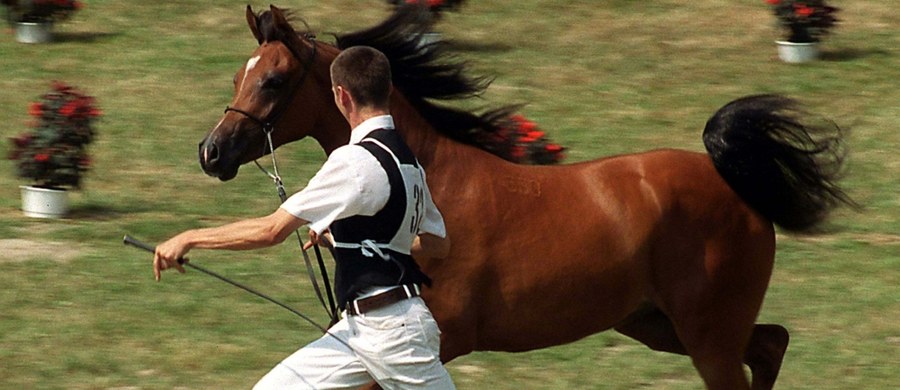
<point x="672" y="248"/>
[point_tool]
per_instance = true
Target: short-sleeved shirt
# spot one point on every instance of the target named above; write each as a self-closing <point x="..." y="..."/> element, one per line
<point x="353" y="182"/>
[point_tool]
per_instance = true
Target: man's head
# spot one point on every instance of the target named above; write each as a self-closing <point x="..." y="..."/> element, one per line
<point x="364" y="73"/>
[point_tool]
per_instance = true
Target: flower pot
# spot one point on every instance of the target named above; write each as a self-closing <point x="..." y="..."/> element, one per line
<point x="797" y="52"/>
<point x="40" y="202"/>
<point x="28" y="32"/>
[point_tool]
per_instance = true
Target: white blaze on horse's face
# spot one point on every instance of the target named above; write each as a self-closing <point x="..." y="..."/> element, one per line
<point x="250" y="64"/>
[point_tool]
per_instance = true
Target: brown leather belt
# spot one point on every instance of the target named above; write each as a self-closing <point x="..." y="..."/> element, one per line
<point x="367" y="304"/>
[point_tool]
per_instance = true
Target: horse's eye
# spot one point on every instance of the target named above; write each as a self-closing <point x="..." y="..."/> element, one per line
<point x="274" y="82"/>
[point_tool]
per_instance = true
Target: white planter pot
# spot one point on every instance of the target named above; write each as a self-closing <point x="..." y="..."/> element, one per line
<point x="796" y="53"/>
<point x="27" y="32"/>
<point x="44" y="203"/>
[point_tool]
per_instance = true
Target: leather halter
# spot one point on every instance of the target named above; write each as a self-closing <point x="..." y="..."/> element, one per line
<point x="268" y="125"/>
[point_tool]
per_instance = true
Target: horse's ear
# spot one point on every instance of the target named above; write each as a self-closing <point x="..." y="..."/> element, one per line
<point x="253" y="22"/>
<point x="280" y="21"/>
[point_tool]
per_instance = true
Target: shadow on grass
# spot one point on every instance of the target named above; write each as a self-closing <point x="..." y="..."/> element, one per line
<point x="850" y="54"/>
<point x="105" y="212"/>
<point x="82" y="37"/>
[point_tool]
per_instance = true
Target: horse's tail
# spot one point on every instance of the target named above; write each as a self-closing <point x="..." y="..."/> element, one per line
<point x="784" y="169"/>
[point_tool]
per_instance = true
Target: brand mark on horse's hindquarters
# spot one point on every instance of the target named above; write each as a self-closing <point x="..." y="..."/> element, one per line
<point x="521" y="185"/>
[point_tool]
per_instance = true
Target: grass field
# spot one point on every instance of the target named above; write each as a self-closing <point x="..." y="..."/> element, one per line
<point x="80" y="310"/>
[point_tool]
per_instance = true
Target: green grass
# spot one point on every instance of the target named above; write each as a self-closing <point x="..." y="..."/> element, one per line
<point x="601" y="77"/>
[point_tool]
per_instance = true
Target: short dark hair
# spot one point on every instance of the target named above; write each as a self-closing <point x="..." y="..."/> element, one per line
<point x="366" y="73"/>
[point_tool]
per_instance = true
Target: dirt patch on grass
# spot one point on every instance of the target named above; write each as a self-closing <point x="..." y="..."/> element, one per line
<point x="18" y="250"/>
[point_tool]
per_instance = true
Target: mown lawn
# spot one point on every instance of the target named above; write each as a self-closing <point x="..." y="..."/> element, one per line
<point x="80" y="310"/>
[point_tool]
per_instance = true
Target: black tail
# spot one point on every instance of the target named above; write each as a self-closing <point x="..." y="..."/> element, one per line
<point x="784" y="169"/>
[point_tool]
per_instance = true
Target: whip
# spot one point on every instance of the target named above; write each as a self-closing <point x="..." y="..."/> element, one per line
<point x="128" y="240"/>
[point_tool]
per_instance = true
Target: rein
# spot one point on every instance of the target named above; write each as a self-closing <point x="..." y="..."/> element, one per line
<point x="268" y="127"/>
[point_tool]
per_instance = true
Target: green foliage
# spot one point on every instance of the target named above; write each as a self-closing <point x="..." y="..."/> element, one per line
<point x="805" y="20"/>
<point x="41" y="11"/>
<point x="54" y="154"/>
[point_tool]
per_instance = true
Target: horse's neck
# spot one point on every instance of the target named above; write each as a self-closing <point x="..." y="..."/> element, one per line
<point x="426" y="143"/>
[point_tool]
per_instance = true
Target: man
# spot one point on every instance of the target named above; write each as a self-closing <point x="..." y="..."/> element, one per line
<point x="371" y="203"/>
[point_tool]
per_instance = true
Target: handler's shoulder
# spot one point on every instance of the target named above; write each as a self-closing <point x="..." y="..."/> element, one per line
<point x="348" y="151"/>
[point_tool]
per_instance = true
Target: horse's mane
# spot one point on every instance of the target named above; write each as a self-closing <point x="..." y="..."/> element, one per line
<point x="424" y="72"/>
<point x="428" y="72"/>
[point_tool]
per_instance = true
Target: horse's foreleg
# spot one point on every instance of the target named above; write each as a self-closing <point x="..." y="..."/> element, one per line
<point x="765" y="353"/>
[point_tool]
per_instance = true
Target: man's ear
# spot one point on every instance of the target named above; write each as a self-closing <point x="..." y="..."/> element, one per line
<point x="344" y="98"/>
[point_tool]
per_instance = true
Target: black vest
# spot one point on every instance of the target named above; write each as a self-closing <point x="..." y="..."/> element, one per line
<point x="358" y="268"/>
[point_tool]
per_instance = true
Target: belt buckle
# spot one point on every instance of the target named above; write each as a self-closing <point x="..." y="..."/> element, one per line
<point x="355" y="307"/>
<point x="413" y="292"/>
<point x="409" y="293"/>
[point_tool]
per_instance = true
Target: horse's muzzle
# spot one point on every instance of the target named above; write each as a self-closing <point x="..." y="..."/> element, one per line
<point x="214" y="162"/>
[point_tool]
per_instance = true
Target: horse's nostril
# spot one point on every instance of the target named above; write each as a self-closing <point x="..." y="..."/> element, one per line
<point x="212" y="153"/>
<point x="209" y="153"/>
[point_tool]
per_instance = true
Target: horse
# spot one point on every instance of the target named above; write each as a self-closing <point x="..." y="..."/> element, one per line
<point x="672" y="248"/>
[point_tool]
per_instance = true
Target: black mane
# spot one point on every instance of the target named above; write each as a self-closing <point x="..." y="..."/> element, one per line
<point x="425" y="73"/>
<point x="428" y="72"/>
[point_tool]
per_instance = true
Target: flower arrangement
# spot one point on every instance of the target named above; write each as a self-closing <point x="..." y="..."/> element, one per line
<point x="53" y="154"/>
<point x="806" y="20"/>
<point x="41" y="11"/>
<point x="519" y="140"/>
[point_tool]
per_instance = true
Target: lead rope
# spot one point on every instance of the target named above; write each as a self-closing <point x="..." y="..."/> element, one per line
<point x="331" y="309"/>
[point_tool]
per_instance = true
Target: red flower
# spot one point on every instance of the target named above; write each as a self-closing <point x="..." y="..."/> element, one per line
<point x="94" y="112"/>
<point x="536" y="134"/>
<point x="68" y="109"/>
<point x="553" y="148"/>
<point x="36" y="109"/>
<point x="518" y="152"/>
<point x="430" y="3"/>
<point x="804" y="12"/>
<point x="527" y="127"/>
<point x="773" y="2"/>
<point x="42" y="157"/>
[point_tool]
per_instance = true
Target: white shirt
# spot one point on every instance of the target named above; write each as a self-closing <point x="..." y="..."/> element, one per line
<point x="352" y="182"/>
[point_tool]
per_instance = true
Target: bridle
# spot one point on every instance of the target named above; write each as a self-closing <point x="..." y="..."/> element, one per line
<point x="268" y="127"/>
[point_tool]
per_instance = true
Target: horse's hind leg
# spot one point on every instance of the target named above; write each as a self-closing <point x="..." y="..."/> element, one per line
<point x="720" y="368"/>
<point x="765" y="353"/>
<point x="650" y="326"/>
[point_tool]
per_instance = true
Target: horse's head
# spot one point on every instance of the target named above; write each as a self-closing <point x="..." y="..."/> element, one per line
<point x="287" y="71"/>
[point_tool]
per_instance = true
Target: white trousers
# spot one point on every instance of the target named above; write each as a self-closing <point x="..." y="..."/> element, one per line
<point x="397" y="346"/>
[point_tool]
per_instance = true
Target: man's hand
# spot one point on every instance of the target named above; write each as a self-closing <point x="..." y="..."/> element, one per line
<point x="325" y="239"/>
<point x="168" y="255"/>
